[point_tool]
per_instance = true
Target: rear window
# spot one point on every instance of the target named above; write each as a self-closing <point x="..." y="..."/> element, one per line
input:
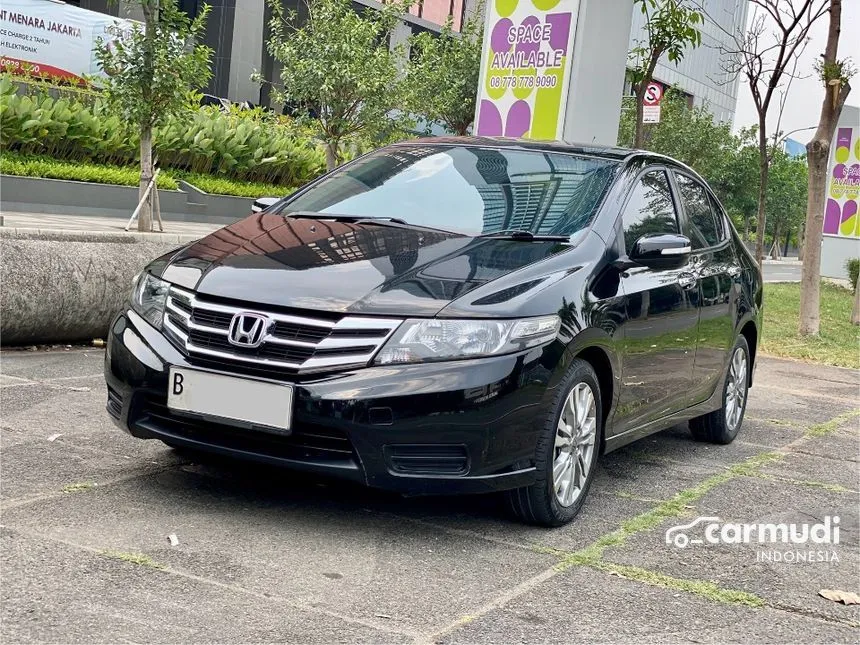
<point x="467" y="189"/>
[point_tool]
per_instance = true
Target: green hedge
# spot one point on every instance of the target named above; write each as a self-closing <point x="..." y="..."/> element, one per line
<point x="221" y="186"/>
<point x="13" y="163"/>
<point x="250" y="145"/>
<point x="853" y="266"/>
<point x="23" y="166"/>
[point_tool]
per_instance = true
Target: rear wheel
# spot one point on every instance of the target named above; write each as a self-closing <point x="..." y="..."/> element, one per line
<point x="566" y="452"/>
<point x="722" y="425"/>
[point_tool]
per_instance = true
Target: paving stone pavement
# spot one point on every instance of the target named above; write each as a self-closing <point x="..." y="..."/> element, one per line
<point x="53" y="221"/>
<point x="268" y="556"/>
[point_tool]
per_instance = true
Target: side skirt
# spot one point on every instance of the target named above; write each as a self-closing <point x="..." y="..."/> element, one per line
<point x="715" y="402"/>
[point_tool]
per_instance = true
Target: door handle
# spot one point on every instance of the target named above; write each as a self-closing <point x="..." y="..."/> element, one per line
<point x="687" y="280"/>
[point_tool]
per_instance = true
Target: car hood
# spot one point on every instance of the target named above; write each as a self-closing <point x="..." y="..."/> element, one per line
<point x="345" y="267"/>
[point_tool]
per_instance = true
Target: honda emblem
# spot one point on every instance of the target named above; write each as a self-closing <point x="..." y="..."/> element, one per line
<point x="248" y="330"/>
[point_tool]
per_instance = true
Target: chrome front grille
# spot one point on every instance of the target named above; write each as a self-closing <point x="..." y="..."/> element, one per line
<point x="296" y="343"/>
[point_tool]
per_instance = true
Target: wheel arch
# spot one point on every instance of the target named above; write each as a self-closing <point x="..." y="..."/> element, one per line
<point x="595" y="347"/>
<point x="749" y="331"/>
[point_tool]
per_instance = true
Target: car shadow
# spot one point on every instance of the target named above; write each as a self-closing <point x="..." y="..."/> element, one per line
<point x="271" y="486"/>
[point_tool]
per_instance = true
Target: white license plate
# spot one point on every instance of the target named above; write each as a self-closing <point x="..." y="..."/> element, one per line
<point x="230" y="397"/>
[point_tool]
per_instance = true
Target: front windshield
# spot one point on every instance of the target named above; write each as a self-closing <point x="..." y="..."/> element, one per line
<point x="467" y="189"/>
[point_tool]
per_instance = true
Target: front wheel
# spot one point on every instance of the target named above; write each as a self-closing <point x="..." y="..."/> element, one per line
<point x="722" y="425"/>
<point x="566" y="453"/>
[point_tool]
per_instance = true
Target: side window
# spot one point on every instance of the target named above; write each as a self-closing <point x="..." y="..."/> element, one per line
<point x="722" y="233"/>
<point x="697" y="204"/>
<point x="650" y="209"/>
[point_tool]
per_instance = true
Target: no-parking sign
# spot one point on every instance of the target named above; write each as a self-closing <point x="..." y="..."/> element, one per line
<point x="651" y="103"/>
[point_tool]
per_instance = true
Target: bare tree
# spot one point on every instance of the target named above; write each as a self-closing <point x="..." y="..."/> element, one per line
<point x="835" y="77"/>
<point x="765" y="56"/>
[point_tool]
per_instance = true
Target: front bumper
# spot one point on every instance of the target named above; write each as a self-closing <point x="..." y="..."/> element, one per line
<point x="457" y="427"/>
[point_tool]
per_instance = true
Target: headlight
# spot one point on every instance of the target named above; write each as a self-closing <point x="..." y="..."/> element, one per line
<point x="417" y="341"/>
<point x="149" y="297"/>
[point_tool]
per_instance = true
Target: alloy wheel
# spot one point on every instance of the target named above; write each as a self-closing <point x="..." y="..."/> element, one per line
<point x="736" y="388"/>
<point x="575" y="439"/>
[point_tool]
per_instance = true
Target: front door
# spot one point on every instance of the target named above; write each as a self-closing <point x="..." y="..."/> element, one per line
<point x="659" y="334"/>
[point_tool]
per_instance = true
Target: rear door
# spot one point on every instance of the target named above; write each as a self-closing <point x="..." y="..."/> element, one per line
<point x="715" y="266"/>
<point x="660" y="329"/>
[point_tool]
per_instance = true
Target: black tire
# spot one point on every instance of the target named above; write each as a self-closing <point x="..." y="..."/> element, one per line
<point x="715" y="427"/>
<point x="538" y="503"/>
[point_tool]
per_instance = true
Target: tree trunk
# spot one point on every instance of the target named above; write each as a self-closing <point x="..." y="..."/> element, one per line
<point x="144" y="220"/>
<point x="787" y="243"/>
<point x="817" y="155"/>
<point x="641" y="88"/>
<point x="639" y="131"/>
<point x="331" y="155"/>
<point x="818" y="158"/>
<point x="763" y="174"/>
<point x="150" y="17"/>
<point x="855" y="313"/>
<point x="746" y="228"/>
<point x="460" y="129"/>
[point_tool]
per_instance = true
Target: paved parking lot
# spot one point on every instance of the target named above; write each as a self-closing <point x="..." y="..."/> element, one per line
<point x="264" y="556"/>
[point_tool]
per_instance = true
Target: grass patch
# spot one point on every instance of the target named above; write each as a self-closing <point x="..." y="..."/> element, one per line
<point x="593" y="555"/>
<point x="839" y="340"/>
<point x="80" y="487"/>
<point x="12" y="163"/>
<point x="216" y="185"/>
<point x="700" y="588"/>
<point x="824" y="429"/>
<point x="677" y="506"/>
<point x="140" y="559"/>
<point x="832" y="488"/>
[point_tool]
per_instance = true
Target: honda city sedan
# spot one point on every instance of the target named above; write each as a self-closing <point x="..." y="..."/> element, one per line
<point x="450" y="315"/>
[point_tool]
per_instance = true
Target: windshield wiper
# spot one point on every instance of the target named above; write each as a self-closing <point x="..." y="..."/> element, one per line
<point x="345" y="218"/>
<point x="526" y="236"/>
<point x="362" y="219"/>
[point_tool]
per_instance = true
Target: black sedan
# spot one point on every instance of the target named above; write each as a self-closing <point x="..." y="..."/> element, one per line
<point x="450" y="316"/>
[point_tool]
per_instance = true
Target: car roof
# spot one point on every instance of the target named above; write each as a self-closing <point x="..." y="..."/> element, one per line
<point x="609" y="152"/>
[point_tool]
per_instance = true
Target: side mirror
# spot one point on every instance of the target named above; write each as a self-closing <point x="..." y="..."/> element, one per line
<point x="262" y="203"/>
<point x="661" y="251"/>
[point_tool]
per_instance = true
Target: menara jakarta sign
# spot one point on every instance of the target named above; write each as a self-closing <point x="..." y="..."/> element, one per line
<point x="48" y="38"/>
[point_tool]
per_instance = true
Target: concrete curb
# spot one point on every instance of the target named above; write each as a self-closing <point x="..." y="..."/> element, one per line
<point x="66" y="286"/>
<point x="784" y="263"/>
<point x="217" y="207"/>
<point x="65" y="197"/>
